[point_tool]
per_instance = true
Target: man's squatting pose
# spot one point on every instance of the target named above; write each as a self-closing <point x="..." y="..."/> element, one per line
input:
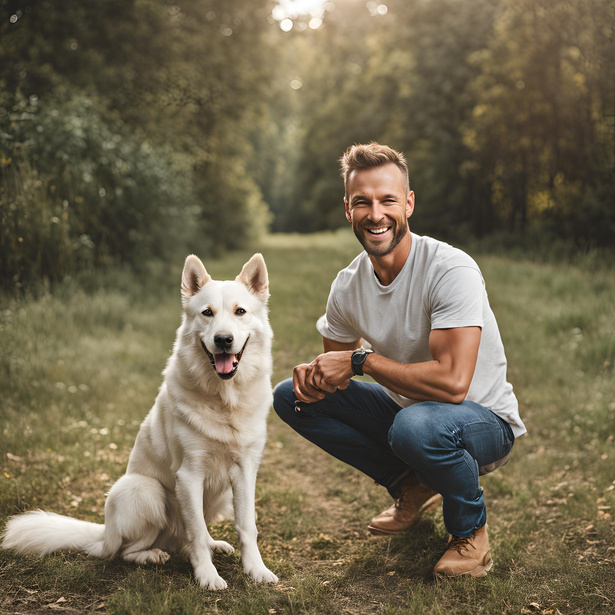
<point x="411" y="312"/>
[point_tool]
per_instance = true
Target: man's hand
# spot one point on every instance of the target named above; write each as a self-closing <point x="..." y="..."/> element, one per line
<point x="325" y="374"/>
<point x="332" y="370"/>
<point x="304" y="390"/>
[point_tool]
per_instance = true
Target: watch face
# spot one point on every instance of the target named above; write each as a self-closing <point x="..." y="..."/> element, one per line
<point x="357" y="359"/>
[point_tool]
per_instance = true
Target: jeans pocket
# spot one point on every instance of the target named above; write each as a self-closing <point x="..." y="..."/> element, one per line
<point x="491" y="467"/>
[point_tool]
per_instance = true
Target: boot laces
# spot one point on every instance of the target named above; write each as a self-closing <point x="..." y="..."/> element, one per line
<point x="461" y="543"/>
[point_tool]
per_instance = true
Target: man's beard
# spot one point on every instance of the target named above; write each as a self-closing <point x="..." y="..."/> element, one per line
<point x="399" y="232"/>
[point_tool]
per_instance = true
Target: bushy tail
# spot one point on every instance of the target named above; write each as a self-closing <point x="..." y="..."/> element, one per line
<point x="38" y="533"/>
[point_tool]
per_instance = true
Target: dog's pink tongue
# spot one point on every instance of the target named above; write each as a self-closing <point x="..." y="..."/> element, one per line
<point x="224" y="363"/>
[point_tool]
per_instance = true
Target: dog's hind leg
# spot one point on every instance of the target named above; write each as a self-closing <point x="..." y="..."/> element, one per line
<point x="136" y="513"/>
<point x="141" y="552"/>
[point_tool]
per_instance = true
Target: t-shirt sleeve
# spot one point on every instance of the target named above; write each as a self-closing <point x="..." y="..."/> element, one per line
<point x="457" y="299"/>
<point x="333" y="325"/>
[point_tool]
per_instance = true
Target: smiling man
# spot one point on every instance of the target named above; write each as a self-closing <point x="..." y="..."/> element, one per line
<point x="412" y="313"/>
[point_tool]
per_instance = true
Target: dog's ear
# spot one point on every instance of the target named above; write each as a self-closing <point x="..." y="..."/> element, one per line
<point x="254" y="276"/>
<point x="194" y="277"/>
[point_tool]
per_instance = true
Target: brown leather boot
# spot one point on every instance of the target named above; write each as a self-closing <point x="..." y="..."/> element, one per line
<point x="469" y="555"/>
<point x="414" y="500"/>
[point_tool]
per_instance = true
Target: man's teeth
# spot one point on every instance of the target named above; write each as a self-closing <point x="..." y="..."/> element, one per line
<point x="378" y="231"/>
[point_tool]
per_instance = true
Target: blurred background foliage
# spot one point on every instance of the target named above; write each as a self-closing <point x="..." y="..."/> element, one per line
<point x="141" y="129"/>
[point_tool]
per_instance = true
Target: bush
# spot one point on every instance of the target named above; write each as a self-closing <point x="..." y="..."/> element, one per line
<point x="77" y="189"/>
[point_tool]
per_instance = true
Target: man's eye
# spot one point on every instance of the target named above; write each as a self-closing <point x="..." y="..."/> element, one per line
<point x="207" y="312"/>
<point x="240" y="311"/>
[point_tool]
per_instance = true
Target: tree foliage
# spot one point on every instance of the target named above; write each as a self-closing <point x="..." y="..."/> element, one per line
<point x="504" y="110"/>
<point x="136" y="128"/>
<point x="125" y="131"/>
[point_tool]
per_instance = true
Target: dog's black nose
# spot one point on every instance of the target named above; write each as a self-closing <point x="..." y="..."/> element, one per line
<point x="223" y="340"/>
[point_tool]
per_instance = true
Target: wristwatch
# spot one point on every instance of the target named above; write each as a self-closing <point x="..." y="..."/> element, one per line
<point x="357" y="360"/>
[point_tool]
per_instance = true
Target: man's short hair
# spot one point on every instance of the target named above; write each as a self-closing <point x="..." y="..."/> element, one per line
<point x="361" y="156"/>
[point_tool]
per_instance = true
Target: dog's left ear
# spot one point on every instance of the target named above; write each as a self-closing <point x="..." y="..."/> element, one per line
<point x="254" y="276"/>
<point x="194" y="277"/>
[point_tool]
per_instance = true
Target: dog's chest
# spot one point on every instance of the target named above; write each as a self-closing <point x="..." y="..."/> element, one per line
<point x="229" y="431"/>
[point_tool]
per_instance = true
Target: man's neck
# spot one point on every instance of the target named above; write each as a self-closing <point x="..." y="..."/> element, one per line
<point x="387" y="267"/>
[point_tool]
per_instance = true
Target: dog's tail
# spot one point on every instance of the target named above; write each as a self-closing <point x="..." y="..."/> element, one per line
<point x="38" y="533"/>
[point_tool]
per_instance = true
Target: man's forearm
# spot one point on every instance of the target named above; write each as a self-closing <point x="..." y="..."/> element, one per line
<point x="427" y="381"/>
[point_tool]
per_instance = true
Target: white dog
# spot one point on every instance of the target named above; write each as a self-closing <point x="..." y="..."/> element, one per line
<point x="198" y="450"/>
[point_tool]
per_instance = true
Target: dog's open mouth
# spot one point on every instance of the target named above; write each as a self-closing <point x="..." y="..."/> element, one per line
<point x="225" y="364"/>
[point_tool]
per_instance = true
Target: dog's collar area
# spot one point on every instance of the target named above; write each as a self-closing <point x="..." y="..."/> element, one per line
<point x="212" y="360"/>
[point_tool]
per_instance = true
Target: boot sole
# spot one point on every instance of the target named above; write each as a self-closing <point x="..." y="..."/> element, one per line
<point x="429" y="506"/>
<point x="480" y="571"/>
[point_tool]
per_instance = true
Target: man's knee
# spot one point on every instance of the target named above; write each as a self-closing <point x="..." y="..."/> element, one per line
<point x="415" y="431"/>
<point x="284" y="399"/>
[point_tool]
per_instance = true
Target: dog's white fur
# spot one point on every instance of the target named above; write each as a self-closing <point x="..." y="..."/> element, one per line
<point x="198" y="450"/>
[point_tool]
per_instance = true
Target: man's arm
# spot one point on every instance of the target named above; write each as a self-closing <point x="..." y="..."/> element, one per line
<point x="332" y="345"/>
<point x="446" y="378"/>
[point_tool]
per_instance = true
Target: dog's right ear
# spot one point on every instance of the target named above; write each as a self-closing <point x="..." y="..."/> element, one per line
<point x="194" y="277"/>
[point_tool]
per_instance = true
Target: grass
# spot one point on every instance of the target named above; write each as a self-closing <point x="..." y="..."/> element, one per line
<point x="79" y="371"/>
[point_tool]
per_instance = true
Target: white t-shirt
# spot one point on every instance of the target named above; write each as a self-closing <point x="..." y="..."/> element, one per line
<point x="439" y="287"/>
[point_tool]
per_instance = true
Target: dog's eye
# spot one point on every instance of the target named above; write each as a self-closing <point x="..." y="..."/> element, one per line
<point x="240" y="311"/>
<point x="207" y="312"/>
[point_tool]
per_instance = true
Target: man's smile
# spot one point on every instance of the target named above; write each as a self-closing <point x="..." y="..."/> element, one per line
<point x="380" y="230"/>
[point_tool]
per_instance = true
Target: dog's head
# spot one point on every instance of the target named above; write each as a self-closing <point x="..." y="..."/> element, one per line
<point x="226" y="317"/>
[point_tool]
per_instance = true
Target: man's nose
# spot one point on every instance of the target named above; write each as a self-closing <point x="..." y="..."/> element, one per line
<point x="376" y="211"/>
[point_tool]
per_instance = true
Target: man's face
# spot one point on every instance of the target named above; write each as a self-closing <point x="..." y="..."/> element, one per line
<point x="378" y="207"/>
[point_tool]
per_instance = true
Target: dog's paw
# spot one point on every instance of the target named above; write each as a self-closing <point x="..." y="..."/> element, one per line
<point x="151" y="556"/>
<point x="261" y="574"/>
<point x="160" y="557"/>
<point x="208" y="578"/>
<point x="213" y="583"/>
<point x="222" y="546"/>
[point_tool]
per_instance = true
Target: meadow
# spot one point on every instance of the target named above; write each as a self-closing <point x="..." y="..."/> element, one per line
<point x="80" y="367"/>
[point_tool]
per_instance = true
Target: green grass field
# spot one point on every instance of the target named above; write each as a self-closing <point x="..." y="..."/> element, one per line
<point x="79" y="371"/>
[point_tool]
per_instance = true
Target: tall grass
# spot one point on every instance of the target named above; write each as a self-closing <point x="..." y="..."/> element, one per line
<point x="79" y="370"/>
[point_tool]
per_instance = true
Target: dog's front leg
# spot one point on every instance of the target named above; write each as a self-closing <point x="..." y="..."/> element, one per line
<point x="243" y="480"/>
<point x="199" y="543"/>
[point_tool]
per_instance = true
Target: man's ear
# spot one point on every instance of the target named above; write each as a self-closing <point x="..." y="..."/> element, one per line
<point x="347" y="208"/>
<point x="194" y="277"/>
<point x="410" y="204"/>
<point x="254" y="276"/>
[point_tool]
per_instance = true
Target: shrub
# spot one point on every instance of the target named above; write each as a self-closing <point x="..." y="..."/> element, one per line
<point x="77" y="188"/>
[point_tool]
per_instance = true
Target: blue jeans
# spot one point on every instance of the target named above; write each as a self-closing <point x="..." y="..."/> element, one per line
<point x="445" y="445"/>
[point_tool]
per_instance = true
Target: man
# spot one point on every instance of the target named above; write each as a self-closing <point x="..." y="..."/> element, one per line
<point x="441" y="411"/>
